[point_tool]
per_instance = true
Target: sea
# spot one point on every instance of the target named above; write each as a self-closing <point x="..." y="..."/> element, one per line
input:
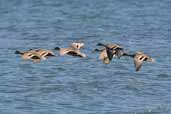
<point x="73" y="85"/>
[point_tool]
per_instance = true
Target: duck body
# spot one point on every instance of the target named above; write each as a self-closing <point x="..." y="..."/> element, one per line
<point x="44" y="54"/>
<point x="73" y="50"/>
<point x="109" y="51"/>
<point x="36" y="55"/>
<point x="139" y="58"/>
<point x="29" y="55"/>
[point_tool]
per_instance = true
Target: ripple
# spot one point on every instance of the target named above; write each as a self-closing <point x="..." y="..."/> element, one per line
<point x="164" y="76"/>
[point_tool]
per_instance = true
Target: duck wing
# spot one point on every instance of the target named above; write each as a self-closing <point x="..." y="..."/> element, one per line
<point x="45" y="53"/>
<point x="64" y="51"/>
<point x="119" y="52"/>
<point x="102" y="54"/>
<point x="137" y="63"/>
<point x="79" y="54"/>
<point x="50" y="53"/>
<point x="76" y="54"/>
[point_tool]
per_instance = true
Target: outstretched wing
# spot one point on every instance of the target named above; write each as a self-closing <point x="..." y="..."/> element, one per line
<point x="102" y="54"/>
<point x="64" y="51"/>
<point x="119" y="52"/>
<point x="137" y="64"/>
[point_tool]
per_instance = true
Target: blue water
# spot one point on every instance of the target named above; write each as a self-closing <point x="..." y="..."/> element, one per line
<point x="68" y="85"/>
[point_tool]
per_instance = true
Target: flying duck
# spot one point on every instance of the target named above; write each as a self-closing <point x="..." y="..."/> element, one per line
<point x="35" y="54"/>
<point x="29" y="55"/>
<point x="139" y="58"/>
<point x="110" y="50"/>
<point x="73" y="50"/>
<point x="44" y="54"/>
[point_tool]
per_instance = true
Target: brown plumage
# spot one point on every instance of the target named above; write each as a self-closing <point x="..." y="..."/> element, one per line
<point x="29" y="55"/>
<point x="44" y="54"/>
<point x="139" y="58"/>
<point x="36" y="55"/>
<point x="109" y="51"/>
<point x="73" y="50"/>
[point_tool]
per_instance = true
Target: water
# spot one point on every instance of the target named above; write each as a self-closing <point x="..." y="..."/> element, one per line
<point x="68" y="85"/>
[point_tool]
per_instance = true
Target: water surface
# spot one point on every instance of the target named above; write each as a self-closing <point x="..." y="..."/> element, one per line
<point x="68" y="85"/>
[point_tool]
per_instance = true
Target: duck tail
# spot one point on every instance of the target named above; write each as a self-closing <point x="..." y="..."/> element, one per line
<point x="56" y="48"/>
<point x="18" y="52"/>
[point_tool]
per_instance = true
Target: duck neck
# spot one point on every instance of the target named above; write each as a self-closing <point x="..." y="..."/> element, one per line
<point x="19" y="52"/>
<point x="57" y="48"/>
<point x="130" y="55"/>
<point x="100" y="44"/>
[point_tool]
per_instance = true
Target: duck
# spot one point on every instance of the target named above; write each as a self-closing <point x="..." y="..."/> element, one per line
<point x="35" y="54"/>
<point x="44" y="54"/>
<point x="139" y="58"/>
<point x="109" y="51"/>
<point x="73" y="50"/>
<point x="29" y="55"/>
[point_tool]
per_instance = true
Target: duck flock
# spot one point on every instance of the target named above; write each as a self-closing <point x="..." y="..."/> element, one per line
<point x="106" y="54"/>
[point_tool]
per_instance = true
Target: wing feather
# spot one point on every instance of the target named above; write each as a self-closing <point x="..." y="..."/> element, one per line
<point x="64" y="51"/>
<point x="137" y="64"/>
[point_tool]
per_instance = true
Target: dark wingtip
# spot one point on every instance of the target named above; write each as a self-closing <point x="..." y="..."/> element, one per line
<point x="56" y="48"/>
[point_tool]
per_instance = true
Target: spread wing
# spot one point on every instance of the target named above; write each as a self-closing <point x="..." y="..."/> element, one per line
<point x="44" y="53"/>
<point x="64" y="51"/>
<point x="137" y="64"/>
<point x="79" y="54"/>
<point x="119" y="52"/>
<point x="50" y="53"/>
<point x="103" y="55"/>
